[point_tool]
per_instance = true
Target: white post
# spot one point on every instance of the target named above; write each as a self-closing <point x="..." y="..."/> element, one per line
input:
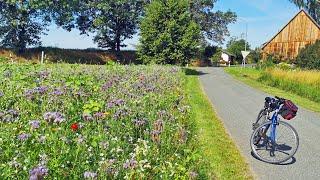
<point x="11" y="58"/>
<point x="42" y="57"/>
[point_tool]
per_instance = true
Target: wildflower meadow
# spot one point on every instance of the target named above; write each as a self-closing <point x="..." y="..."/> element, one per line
<point x="95" y="122"/>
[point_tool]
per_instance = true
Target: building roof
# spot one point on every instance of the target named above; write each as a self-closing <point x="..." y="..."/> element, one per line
<point x="301" y="11"/>
<point x="226" y="52"/>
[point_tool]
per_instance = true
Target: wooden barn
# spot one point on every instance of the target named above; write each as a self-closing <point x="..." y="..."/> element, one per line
<point x="301" y="30"/>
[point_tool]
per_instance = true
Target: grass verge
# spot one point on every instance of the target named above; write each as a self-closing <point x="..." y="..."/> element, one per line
<point x="225" y="160"/>
<point x="251" y="76"/>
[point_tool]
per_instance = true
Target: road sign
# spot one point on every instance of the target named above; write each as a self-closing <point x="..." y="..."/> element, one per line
<point x="244" y="55"/>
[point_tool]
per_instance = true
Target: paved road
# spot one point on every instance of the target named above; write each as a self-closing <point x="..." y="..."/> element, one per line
<point x="238" y="104"/>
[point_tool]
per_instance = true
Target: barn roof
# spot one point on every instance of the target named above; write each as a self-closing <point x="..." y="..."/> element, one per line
<point x="301" y="11"/>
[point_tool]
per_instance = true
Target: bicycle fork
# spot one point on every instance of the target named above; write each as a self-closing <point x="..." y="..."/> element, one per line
<point x="273" y="134"/>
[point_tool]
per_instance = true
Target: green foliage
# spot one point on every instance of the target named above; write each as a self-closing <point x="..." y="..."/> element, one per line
<point x="284" y="66"/>
<point x="255" y="56"/>
<point x="21" y="23"/>
<point x="235" y="46"/>
<point x="253" y="78"/>
<point x="209" y="51"/>
<point x="168" y="33"/>
<point x="302" y="89"/>
<point x="111" y="21"/>
<point x="116" y="22"/>
<point x="312" y="6"/>
<point x="136" y="124"/>
<point x="269" y="62"/>
<point x="216" y="57"/>
<point x="213" y="25"/>
<point x="309" y="57"/>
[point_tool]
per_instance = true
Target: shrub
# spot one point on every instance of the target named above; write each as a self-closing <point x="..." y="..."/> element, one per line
<point x="268" y="63"/>
<point x="284" y="66"/>
<point x="309" y="57"/>
<point x="216" y="57"/>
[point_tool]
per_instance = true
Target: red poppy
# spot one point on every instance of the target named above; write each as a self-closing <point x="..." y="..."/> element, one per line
<point x="74" y="127"/>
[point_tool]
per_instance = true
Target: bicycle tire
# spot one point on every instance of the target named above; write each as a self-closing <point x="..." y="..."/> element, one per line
<point x="252" y="144"/>
<point x="262" y="112"/>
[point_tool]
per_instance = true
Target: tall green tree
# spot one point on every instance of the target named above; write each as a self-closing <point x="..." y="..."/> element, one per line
<point x="213" y="24"/>
<point x="22" y="22"/>
<point x="235" y="46"/>
<point x="169" y="35"/>
<point x="312" y="6"/>
<point x="111" y="21"/>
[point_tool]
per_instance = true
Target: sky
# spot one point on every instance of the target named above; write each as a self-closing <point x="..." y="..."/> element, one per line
<point x="264" y="19"/>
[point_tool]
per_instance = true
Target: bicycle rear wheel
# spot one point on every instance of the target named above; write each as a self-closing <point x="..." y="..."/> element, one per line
<point x="284" y="147"/>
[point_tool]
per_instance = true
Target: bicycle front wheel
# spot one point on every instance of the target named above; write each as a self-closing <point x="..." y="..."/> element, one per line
<point x="285" y="146"/>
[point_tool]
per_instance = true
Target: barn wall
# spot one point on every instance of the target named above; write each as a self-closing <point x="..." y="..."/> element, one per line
<point x="300" y="32"/>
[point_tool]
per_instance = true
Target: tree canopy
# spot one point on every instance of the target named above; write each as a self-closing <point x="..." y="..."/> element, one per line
<point x="168" y="33"/>
<point x="213" y="25"/>
<point x="21" y="23"/>
<point x="312" y="6"/>
<point x="235" y="46"/>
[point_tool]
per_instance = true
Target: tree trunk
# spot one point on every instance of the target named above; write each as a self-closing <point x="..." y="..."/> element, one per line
<point x="118" y="43"/>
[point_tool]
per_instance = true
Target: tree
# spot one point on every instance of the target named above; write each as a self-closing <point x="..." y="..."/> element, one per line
<point x="111" y="21"/>
<point x="214" y="25"/>
<point x="21" y="23"/>
<point x="168" y="33"/>
<point x="235" y="46"/>
<point x="312" y="6"/>
<point x="255" y="56"/>
<point x="116" y="21"/>
<point x="309" y="57"/>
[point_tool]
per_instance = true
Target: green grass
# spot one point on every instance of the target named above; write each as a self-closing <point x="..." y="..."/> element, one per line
<point x="224" y="158"/>
<point x="252" y="77"/>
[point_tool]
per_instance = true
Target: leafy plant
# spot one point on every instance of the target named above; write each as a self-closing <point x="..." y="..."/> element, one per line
<point x="309" y="57"/>
<point x="168" y="33"/>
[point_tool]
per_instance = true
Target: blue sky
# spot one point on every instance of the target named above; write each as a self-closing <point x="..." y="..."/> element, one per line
<point x="264" y="19"/>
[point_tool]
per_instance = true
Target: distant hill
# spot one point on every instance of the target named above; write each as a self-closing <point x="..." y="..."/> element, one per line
<point x="87" y="56"/>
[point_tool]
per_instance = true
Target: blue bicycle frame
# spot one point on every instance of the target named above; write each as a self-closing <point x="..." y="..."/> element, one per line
<point x="274" y="125"/>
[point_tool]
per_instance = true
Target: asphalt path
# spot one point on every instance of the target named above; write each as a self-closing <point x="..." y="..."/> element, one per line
<point x="237" y="106"/>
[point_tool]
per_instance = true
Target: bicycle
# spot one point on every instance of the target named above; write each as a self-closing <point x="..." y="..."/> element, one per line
<point x="273" y="140"/>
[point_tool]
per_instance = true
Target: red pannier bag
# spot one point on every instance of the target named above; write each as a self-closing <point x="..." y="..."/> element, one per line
<point x="289" y="110"/>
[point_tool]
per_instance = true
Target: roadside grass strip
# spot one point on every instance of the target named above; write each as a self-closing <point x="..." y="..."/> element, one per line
<point x="218" y="148"/>
<point x="272" y="85"/>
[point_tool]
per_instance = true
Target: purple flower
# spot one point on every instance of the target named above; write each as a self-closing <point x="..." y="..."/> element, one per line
<point x="1" y="94"/>
<point x="35" y="124"/>
<point x="117" y="102"/>
<point x="193" y="175"/>
<point x="24" y="136"/>
<point x="98" y="115"/>
<point x="57" y="92"/>
<point x="13" y="113"/>
<point x="41" y="89"/>
<point x="130" y="164"/>
<point x="43" y="74"/>
<point x="106" y="86"/>
<point x="53" y="117"/>
<point x="90" y="175"/>
<point x="140" y="122"/>
<point x="87" y="117"/>
<point x="38" y="173"/>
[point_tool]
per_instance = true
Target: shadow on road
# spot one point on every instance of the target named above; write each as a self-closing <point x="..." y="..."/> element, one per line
<point x="289" y="162"/>
<point x="193" y="72"/>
